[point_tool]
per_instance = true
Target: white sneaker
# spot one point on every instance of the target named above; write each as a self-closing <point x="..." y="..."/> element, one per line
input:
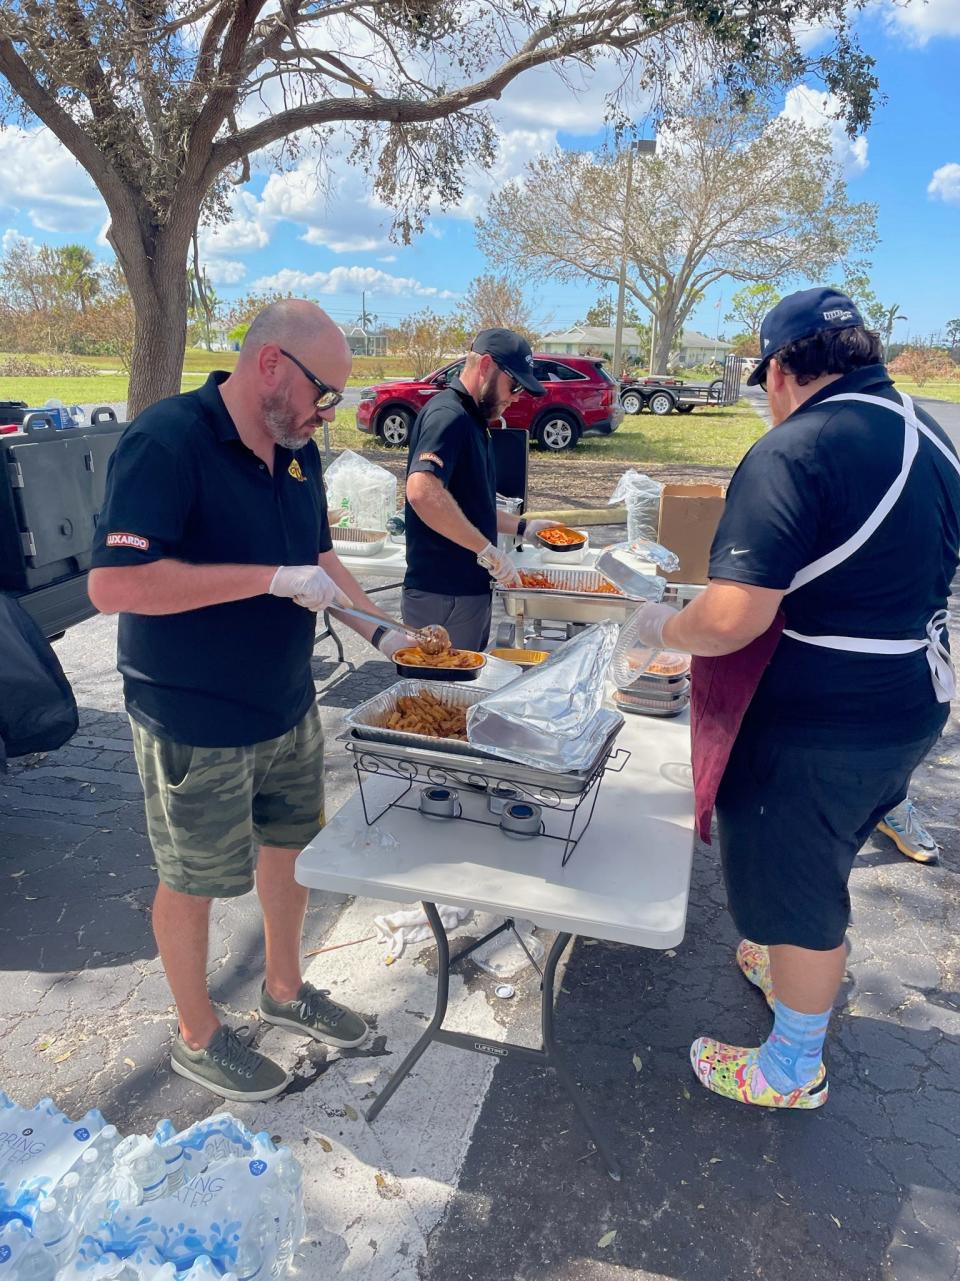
<point x="905" y="828"/>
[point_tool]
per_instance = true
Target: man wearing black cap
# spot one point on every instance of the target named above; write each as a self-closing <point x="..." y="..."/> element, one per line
<point x="452" y="519"/>
<point x="824" y="675"/>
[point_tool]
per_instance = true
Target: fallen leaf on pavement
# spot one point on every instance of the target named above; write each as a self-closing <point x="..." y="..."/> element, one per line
<point x="607" y="1239"/>
<point x="352" y="1113"/>
<point x="637" y="1062"/>
<point x="130" y="1063"/>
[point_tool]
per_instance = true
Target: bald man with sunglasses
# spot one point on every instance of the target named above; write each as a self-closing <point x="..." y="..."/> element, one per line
<point x="214" y="547"/>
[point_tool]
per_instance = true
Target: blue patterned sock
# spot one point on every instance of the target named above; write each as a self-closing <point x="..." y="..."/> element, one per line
<point x="790" y="1057"/>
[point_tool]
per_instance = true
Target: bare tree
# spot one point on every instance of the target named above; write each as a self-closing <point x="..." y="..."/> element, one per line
<point x="497" y="302"/>
<point x="730" y="193"/>
<point x="426" y="338"/>
<point x="163" y="102"/>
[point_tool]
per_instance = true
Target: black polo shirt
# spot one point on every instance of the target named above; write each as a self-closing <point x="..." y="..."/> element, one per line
<point x="182" y="485"/>
<point x="802" y="490"/>
<point x="451" y="440"/>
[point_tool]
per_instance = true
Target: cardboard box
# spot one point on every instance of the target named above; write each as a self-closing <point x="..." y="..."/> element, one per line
<point x="689" y="515"/>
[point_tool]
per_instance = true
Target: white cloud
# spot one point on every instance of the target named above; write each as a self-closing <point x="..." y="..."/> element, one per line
<point x="388" y="258"/>
<point x="819" y="110"/>
<point x="245" y="232"/>
<point x="332" y="201"/>
<point x="47" y="184"/>
<point x="348" y="280"/>
<point x="224" y="271"/>
<point x="945" y="184"/>
<point x="922" y="20"/>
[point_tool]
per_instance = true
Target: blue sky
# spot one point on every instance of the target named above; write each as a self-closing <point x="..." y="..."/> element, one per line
<point x="283" y="233"/>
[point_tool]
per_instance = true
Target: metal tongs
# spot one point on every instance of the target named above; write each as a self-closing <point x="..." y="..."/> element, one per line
<point x="432" y="639"/>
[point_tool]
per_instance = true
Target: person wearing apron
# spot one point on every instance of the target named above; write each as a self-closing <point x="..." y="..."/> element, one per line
<point x="821" y="674"/>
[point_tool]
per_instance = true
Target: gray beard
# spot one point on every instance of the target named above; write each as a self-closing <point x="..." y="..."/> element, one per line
<point x="280" y="423"/>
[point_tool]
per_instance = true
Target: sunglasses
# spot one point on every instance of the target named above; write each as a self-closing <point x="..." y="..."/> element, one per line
<point x="328" y="396"/>
<point x="514" y="385"/>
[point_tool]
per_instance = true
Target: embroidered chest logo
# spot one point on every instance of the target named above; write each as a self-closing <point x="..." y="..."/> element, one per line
<point x="431" y="458"/>
<point x="295" y="471"/>
<point x="128" y="540"/>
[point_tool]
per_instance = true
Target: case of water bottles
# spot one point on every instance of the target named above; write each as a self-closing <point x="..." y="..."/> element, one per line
<point x="80" y="1203"/>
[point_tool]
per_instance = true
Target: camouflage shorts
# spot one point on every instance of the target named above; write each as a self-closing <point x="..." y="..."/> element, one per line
<point x="209" y="808"/>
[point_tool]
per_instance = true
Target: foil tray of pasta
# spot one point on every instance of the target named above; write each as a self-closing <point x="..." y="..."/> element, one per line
<point x="451" y="665"/>
<point x="423" y="724"/>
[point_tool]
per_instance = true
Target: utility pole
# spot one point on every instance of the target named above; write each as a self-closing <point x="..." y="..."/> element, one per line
<point x="644" y="147"/>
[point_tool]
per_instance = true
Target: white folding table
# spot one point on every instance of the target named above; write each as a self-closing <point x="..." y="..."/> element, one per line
<point x="627" y="880"/>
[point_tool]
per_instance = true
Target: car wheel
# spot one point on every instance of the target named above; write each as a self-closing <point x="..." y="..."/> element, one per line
<point x="684" y="409"/>
<point x="632" y="402"/>
<point x="557" y="432"/>
<point x="394" y="427"/>
<point x="661" y="403"/>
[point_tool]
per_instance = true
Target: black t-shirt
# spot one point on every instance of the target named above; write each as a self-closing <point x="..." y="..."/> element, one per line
<point x="451" y="440"/>
<point x="802" y="490"/>
<point x="183" y="486"/>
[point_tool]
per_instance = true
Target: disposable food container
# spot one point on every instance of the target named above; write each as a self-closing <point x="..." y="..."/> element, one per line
<point x="358" y="542"/>
<point x="522" y="657"/>
<point x="427" y="672"/>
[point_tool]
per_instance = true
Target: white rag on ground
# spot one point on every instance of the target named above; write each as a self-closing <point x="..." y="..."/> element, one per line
<point x="411" y="926"/>
<point x="501" y="956"/>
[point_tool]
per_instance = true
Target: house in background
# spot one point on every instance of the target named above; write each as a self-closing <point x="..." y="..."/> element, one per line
<point x="364" y="342"/>
<point x="598" y="340"/>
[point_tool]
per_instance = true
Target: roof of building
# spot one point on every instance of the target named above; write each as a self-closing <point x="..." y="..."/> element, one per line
<point x="605" y="336"/>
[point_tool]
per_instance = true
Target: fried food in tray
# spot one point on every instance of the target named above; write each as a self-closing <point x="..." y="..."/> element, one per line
<point x="414" y="656"/>
<point x="562" y="538"/>
<point x="425" y="714"/>
<point x="541" y="579"/>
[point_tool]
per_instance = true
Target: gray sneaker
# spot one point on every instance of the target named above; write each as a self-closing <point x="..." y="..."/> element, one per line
<point x="313" y="1013"/>
<point x="229" y="1068"/>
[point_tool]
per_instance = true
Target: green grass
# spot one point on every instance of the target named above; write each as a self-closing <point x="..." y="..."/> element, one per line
<point x="709" y="437"/>
<point x="714" y="437"/>
<point x="78" y="391"/>
<point x="934" y="390"/>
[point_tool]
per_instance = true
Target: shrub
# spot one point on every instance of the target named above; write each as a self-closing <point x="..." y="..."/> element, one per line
<point x="922" y="364"/>
<point x="44" y="366"/>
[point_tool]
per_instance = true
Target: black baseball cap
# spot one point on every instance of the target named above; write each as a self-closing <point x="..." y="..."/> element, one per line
<point x="801" y="315"/>
<point x="512" y="353"/>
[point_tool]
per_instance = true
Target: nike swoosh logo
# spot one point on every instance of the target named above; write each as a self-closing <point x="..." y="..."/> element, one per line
<point x="741" y="552"/>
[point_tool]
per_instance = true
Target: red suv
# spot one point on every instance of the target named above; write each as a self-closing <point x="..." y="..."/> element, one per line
<point x="581" y="396"/>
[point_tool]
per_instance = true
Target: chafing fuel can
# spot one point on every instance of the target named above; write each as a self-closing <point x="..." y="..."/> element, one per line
<point x="520" y="819"/>
<point x="439" y="802"/>
<point x="499" y="795"/>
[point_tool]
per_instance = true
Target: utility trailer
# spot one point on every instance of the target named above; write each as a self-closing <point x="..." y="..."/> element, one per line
<point x="663" y="395"/>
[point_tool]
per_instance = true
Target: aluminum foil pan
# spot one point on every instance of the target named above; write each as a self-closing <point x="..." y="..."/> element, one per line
<point x="578" y="581"/>
<point x="364" y="720"/>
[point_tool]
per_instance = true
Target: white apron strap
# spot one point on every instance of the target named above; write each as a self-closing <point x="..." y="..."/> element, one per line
<point x="853" y="544"/>
<point x="938" y="656"/>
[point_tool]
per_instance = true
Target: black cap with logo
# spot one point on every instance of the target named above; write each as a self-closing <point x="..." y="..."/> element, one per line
<point x="512" y="353"/>
<point x="801" y="315"/>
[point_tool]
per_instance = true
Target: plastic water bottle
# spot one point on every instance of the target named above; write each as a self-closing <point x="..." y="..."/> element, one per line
<point x="36" y="1264"/>
<point x="53" y="1229"/>
<point x="175" y="1166"/>
<point x="150" y="1174"/>
<point x="249" y="1261"/>
<point x="68" y="1194"/>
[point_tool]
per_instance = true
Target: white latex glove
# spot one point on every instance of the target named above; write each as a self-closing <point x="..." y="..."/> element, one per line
<point x="308" y="585"/>
<point x="392" y="641"/>
<point x="499" y="564"/>
<point x="535" y="527"/>
<point x="649" y="621"/>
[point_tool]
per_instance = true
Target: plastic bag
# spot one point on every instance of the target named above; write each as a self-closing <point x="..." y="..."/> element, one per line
<point x="641" y="495"/>
<point x="38" y="1146"/>
<point x="360" y="494"/>
<point x="551" y="717"/>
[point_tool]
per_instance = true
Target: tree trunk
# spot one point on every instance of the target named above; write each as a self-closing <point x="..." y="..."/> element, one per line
<point x="153" y="259"/>
<point x="160" y="329"/>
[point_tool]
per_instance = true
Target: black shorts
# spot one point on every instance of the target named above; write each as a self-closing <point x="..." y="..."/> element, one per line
<point x="792" y="819"/>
